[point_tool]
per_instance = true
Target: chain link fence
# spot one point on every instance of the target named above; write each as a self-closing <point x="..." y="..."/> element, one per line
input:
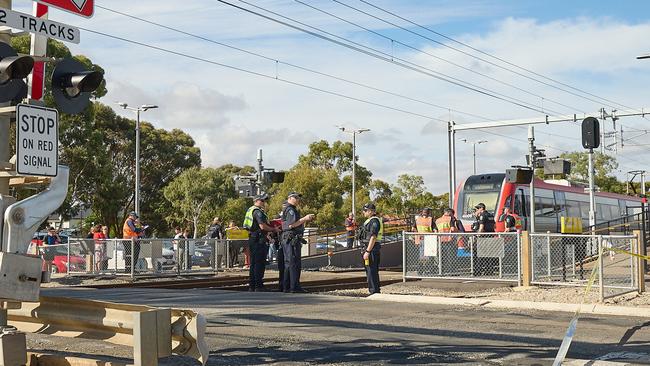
<point x="568" y="260"/>
<point x="472" y="256"/>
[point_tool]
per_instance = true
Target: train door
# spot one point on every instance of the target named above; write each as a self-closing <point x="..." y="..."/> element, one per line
<point x="520" y="206"/>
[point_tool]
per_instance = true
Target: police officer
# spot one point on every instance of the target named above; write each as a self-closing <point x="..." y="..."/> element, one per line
<point x="484" y="221"/>
<point x="257" y="224"/>
<point x="509" y="221"/>
<point x="372" y="234"/>
<point x="293" y="227"/>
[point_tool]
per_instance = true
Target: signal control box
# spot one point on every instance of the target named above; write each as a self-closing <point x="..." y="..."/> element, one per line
<point x="20" y="276"/>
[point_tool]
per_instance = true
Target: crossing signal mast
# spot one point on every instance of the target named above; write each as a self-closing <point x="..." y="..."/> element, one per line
<point x="21" y="275"/>
<point x="252" y="185"/>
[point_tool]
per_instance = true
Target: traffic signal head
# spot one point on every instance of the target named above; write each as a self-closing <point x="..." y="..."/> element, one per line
<point x="590" y="133"/>
<point x="72" y="85"/>
<point x="13" y="69"/>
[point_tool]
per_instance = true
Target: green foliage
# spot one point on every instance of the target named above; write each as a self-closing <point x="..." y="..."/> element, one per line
<point x="604" y="166"/>
<point x="193" y="192"/>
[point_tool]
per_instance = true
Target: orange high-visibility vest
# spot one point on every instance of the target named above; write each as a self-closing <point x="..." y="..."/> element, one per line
<point x="423" y="225"/>
<point x="444" y="226"/>
<point x="127" y="233"/>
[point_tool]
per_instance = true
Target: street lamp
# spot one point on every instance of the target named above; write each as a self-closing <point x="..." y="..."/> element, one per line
<point x="354" y="162"/>
<point x="474" y="143"/>
<point x="142" y="108"/>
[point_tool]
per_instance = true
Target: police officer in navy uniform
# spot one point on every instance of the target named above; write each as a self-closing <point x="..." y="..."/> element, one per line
<point x="371" y="235"/>
<point x="257" y="224"/>
<point x="293" y="228"/>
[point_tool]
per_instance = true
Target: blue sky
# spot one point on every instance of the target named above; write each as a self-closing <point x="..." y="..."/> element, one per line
<point x="589" y="45"/>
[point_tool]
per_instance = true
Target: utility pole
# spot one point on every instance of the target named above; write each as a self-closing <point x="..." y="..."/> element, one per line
<point x="354" y="163"/>
<point x="474" y="143"/>
<point x="260" y="169"/>
<point x="532" y="160"/>
<point x="592" y="190"/>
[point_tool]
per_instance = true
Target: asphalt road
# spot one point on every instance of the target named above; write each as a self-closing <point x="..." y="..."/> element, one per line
<point x="261" y="328"/>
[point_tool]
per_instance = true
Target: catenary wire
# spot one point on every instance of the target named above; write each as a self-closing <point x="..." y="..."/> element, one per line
<point x="482" y="52"/>
<point x="434" y="56"/>
<point x="310" y="70"/>
<point x="382" y="55"/>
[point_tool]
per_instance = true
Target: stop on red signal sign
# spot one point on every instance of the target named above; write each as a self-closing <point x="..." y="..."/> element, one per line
<point x="85" y="8"/>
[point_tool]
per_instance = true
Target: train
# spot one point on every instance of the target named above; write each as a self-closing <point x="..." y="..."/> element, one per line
<point x="553" y="200"/>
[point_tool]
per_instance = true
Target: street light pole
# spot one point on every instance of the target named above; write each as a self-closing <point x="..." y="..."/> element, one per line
<point x="354" y="164"/>
<point x="474" y="143"/>
<point x="143" y="108"/>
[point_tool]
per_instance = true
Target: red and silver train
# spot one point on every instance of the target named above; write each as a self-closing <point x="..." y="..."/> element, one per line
<point x="552" y="201"/>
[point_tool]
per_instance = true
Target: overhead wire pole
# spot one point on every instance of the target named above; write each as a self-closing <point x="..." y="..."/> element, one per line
<point x="354" y="163"/>
<point x="531" y="152"/>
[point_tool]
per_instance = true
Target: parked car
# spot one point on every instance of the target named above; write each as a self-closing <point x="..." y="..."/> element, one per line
<point x="115" y="253"/>
<point x="57" y="254"/>
<point x="202" y="256"/>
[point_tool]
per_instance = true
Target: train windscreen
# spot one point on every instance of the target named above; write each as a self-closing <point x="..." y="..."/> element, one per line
<point x="480" y="189"/>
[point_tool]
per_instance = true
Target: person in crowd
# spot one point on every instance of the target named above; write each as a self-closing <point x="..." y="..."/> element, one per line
<point x="100" y="248"/>
<point x="233" y="250"/>
<point x="424" y="223"/>
<point x="350" y="228"/>
<point x="372" y="234"/>
<point x="257" y="224"/>
<point x="293" y="228"/>
<point x="511" y="222"/>
<point x="484" y="221"/>
<point x="52" y="237"/>
<point x="131" y="231"/>
<point x="215" y="230"/>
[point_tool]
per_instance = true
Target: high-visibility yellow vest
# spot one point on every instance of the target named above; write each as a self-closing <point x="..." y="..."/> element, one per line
<point x="380" y="235"/>
<point x="423" y="224"/>
<point x="248" y="219"/>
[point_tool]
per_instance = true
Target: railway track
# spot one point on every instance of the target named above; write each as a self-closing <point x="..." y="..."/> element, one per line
<point x="240" y="283"/>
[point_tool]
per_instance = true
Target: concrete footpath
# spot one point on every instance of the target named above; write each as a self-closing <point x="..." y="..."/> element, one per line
<point x="593" y="309"/>
<point x="304" y="329"/>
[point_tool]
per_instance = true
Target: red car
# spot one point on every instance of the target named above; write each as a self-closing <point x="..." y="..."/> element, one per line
<point x="57" y="254"/>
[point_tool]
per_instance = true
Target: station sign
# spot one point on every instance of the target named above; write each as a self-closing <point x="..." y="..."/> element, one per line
<point x="85" y="8"/>
<point x="37" y="140"/>
<point x="39" y="26"/>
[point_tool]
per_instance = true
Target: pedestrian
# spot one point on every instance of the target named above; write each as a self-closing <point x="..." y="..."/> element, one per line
<point x="179" y="248"/>
<point x="100" y="247"/>
<point x="106" y="232"/>
<point x="425" y="224"/>
<point x="132" y="232"/>
<point x="446" y="224"/>
<point x="233" y="250"/>
<point x="484" y="221"/>
<point x="373" y="232"/>
<point x="216" y="233"/>
<point x="215" y="230"/>
<point x="511" y="222"/>
<point x="350" y="228"/>
<point x="280" y="255"/>
<point x="257" y="224"/>
<point x="293" y="228"/>
<point x="52" y="237"/>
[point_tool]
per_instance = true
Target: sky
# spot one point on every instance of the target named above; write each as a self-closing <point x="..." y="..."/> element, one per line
<point x="543" y="58"/>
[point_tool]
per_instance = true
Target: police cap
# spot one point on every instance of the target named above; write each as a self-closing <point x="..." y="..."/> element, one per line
<point x="294" y="194"/>
<point x="369" y="206"/>
<point x="134" y="214"/>
<point x="480" y="205"/>
<point x="262" y="197"/>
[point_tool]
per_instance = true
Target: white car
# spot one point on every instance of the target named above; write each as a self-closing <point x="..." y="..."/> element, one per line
<point x="145" y="261"/>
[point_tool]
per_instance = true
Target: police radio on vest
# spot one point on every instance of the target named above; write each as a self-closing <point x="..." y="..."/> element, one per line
<point x="37" y="124"/>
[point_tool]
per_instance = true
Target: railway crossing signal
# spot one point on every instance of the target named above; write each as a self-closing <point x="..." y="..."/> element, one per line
<point x="72" y="85"/>
<point x="13" y="69"/>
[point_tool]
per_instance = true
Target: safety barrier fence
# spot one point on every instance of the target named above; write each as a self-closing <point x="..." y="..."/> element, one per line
<point x="462" y="256"/>
<point x="539" y="259"/>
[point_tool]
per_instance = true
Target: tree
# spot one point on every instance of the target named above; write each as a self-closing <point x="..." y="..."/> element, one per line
<point x="604" y="166"/>
<point x="193" y="191"/>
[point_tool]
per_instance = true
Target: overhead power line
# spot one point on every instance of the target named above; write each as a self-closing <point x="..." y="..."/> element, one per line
<point x="355" y="46"/>
<point x="486" y="54"/>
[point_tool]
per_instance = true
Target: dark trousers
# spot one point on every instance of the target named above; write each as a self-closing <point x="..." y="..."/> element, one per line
<point x="280" y="259"/>
<point x="292" y="265"/>
<point x="350" y="239"/>
<point x="127" y="255"/>
<point x="258" y="252"/>
<point x="372" y="272"/>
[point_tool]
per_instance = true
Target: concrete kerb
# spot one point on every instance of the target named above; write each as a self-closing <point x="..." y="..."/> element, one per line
<point x="594" y="309"/>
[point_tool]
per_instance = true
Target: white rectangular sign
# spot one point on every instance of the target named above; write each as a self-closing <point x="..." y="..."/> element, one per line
<point x="43" y="27"/>
<point x="37" y="140"/>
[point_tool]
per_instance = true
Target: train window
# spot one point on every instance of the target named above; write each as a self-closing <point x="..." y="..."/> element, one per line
<point x="544" y="207"/>
<point x="520" y="203"/>
<point x="560" y="203"/>
<point x="584" y="210"/>
<point x="573" y="208"/>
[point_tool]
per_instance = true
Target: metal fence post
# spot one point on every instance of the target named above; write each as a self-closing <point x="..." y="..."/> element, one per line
<point x="403" y="257"/>
<point x="215" y="257"/>
<point x="548" y="256"/>
<point x="67" y="264"/>
<point x="600" y="268"/>
<point x="132" y="258"/>
<point x="471" y="256"/>
<point x="115" y="255"/>
<point x="640" y="262"/>
<point x="439" y="256"/>
<point x="228" y="259"/>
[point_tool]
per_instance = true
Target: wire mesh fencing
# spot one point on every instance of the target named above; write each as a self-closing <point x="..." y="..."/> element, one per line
<point x="477" y="256"/>
<point x="568" y="260"/>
